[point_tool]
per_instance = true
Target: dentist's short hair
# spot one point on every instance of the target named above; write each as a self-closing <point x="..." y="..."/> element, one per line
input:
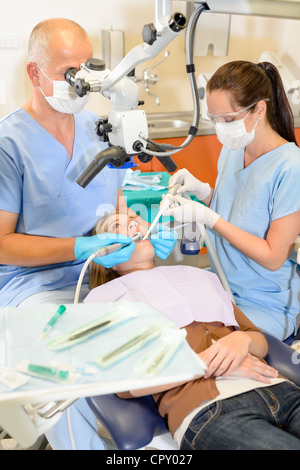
<point x="38" y="45"/>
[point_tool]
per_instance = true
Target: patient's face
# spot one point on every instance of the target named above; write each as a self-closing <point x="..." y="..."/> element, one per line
<point x="128" y="225"/>
<point x="124" y="224"/>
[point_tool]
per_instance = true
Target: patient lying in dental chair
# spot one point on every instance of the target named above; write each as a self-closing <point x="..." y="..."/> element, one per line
<point x="183" y="293"/>
<point x="232" y="406"/>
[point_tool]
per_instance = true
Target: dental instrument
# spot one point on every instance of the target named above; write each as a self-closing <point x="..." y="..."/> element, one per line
<point x="87" y="331"/>
<point x="107" y="250"/>
<point x="48" y="372"/>
<point x="155" y="360"/>
<point x="51" y="373"/>
<point x="177" y="227"/>
<point x="173" y="190"/>
<point x="81" y="369"/>
<point x="102" y="252"/>
<point x="171" y="228"/>
<point x="136" y="342"/>
<point x="118" y="315"/>
<point x="61" y="309"/>
<point x="154" y="222"/>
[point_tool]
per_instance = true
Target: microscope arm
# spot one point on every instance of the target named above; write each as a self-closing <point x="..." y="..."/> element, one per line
<point x="144" y="52"/>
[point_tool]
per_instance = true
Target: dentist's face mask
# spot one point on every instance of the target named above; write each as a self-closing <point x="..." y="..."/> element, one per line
<point x="64" y="98"/>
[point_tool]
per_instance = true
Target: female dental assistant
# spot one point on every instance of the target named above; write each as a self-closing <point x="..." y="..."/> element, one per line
<point x="254" y="210"/>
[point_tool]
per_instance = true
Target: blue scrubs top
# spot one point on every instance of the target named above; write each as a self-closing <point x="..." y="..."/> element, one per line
<point x="38" y="182"/>
<point x="251" y="198"/>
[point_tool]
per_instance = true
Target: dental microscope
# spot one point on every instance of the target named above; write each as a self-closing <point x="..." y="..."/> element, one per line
<point x="126" y="129"/>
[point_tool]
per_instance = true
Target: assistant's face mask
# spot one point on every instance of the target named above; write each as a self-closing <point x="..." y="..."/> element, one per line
<point x="64" y="98"/>
<point x="234" y="135"/>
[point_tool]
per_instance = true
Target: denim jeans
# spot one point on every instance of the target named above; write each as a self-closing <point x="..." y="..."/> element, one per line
<point x="266" y="418"/>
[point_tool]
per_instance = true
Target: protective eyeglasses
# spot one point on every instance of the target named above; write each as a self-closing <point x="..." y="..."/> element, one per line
<point x="223" y="117"/>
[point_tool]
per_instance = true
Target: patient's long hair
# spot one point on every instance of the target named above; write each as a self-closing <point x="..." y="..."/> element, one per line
<point x="98" y="274"/>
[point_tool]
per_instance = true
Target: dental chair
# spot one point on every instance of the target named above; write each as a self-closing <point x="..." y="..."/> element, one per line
<point x="295" y="256"/>
<point x="133" y="423"/>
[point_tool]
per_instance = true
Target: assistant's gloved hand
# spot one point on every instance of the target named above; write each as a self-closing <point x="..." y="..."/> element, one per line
<point x="186" y="210"/>
<point x="164" y="241"/>
<point x="85" y="246"/>
<point x="190" y="184"/>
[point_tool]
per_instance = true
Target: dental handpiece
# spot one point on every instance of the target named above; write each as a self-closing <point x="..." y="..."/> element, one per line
<point x="173" y="190"/>
<point x="107" y="250"/>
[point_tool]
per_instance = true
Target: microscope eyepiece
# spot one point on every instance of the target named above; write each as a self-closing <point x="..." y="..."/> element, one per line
<point x="81" y="87"/>
<point x="70" y="75"/>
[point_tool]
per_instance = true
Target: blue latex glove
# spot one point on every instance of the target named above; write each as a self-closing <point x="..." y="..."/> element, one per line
<point x="164" y="241"/>
<point x="85" y="246"/>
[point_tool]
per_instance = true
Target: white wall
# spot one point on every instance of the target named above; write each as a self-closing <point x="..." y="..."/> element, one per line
<point x="249" y="37"/>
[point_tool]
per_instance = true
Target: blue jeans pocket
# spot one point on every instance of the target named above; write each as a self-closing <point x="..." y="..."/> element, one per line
<point x="204" y="418"/>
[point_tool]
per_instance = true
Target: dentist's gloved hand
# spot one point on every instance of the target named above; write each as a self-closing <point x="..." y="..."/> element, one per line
<point x="190" y="184"/>
<point x="164" y="241"/>
<point x="85" y="246"/>
<point x="186" y="210"/>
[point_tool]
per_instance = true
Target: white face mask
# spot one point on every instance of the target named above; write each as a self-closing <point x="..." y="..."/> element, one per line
<point x="64" y="98"/>
<point x="234" y="135"/>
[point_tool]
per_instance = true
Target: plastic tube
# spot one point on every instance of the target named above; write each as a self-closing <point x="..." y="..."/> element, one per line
<point x="215" y="261"/>
<point x="101" y="252"/>
<point x="173" y="190"/>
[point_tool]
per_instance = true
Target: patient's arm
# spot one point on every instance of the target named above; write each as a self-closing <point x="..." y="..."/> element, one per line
<point x="254" y="368"/>
<point x="230" y="355"/>
<point x="226" y="354"/>
<point x="251" y="367"/>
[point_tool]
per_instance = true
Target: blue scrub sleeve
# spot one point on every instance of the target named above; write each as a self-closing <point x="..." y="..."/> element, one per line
<point x="121" y="176"/>
<point x="287" y="195"/>
<point x="10" y="184"/>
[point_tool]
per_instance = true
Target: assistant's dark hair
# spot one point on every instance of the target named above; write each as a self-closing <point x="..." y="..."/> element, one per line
<point x="247" y="83"/>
